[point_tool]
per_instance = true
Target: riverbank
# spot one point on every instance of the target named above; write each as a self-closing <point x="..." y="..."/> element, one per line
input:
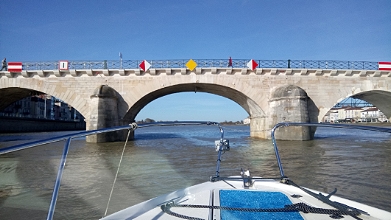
<point x="376" y="124"/>
<point x="15" y="125"/>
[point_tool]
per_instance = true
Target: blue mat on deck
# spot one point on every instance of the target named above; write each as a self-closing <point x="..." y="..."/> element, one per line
<point x="255" y="199"/>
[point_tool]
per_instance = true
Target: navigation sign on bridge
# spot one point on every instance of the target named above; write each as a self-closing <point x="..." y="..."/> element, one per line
<point x="252" y="64"/>
<point x="15" y="67"/>
<point x="63" y="65"/>
<point x="384" y="65"/>
<point x="191" y="64"/>
<point x="145" y="65"/>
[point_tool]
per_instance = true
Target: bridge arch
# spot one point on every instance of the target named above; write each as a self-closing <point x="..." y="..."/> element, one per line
<point x="13" y="94"/>
<point x="249" y="105"/>
<point x="380" y="98"/>
<point x="20" y="89"/>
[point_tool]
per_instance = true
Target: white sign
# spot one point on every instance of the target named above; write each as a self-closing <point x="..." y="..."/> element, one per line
<point x="63" y="65"/>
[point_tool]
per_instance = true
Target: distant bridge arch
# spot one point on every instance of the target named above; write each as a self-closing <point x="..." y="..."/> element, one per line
<point x="379" y="98"/>
<point x="249" y="105"/>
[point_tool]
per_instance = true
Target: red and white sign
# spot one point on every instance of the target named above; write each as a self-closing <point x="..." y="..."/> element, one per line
<point x="384" y="65"/>
<point x="15" y="67"/>
<point x="252" y="64"/>
<point x="145" y="65"/>
<point x="63" y="65"/>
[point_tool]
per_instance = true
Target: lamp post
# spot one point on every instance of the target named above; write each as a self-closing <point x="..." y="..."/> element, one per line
<point x="120" y="59"/>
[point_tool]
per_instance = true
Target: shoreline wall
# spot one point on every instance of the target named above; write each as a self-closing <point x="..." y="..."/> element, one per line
<point x="14" y="125"/>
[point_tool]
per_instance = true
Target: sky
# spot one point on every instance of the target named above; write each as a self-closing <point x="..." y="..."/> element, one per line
<point x="51" y="30"/>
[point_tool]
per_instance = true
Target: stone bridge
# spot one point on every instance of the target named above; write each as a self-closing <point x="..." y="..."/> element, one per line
<point x="113" y="97"/>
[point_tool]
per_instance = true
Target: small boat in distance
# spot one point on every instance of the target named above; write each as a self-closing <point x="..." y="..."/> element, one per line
<point x="243" y="196"/>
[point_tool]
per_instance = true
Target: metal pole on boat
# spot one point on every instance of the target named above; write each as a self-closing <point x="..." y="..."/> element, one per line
<point x="221" y="145"/>
<point x="276" y="149"/>
<point x="218" y="147"/>
<point x="58" y="180"/>
<point x="218" y="164"/>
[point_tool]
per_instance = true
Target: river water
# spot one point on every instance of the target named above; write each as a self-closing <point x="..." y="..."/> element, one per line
<point x="163" y="159"/>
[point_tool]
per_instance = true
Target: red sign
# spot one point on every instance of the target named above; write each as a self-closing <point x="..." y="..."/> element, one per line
<point x="384" y="65"/>
<point x="15" y="67"/>
<point x="252" y="64"/>
<point x="145" y="65"/>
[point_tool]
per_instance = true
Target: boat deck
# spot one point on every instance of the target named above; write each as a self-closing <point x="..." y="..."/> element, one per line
<point x="264" y="194"/>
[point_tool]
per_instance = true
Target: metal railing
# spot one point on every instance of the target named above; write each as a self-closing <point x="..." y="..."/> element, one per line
<point x="69" y="137"/>
<point x="204" y="63"/>
<point x="295" y="124"/>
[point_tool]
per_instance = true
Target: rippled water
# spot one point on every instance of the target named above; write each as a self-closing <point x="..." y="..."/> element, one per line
<point x="163" y="159"/>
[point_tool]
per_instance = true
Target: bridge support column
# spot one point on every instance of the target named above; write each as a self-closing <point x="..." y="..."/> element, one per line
<point x="104" y="114"/>
<point x="259" y="127"/>
<point x="290" y="104"/>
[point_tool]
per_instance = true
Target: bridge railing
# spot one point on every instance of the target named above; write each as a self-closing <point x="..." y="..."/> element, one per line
<point x="333" y="64"/>
<point x="205" y="63"/>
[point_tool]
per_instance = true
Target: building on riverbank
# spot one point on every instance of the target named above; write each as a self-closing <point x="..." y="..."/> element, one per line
<point x="355" y="114"/>
<point x="42" y="107"/>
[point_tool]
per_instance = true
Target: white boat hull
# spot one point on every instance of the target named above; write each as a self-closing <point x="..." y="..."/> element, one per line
<point x="207" y="194"/>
